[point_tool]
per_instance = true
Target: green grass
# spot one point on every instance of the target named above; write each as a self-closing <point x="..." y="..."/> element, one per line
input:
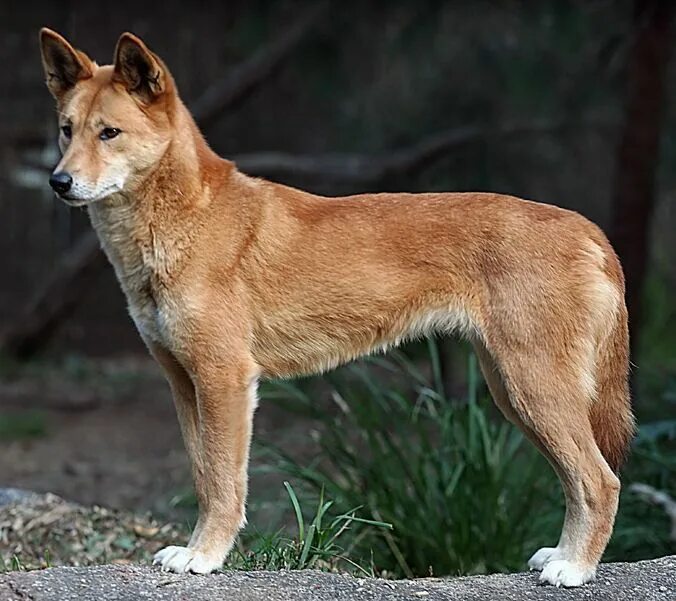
<point x="14" y="564"/>
<point x="318" y="544"/>
<point x="22" y="425"/>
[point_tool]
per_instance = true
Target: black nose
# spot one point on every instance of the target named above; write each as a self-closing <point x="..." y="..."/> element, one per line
<point x="61" y="182"/>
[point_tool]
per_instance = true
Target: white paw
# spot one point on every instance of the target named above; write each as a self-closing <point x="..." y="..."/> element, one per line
<point x="542" y="556"/>
<point x="561" y="572"/>
<point x="184" y="559"/>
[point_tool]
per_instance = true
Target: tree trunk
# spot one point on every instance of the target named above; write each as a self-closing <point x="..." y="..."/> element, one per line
<point x="634" y="187"/>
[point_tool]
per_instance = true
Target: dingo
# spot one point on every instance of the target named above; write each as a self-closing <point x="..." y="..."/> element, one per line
<point x="230" y="279"/>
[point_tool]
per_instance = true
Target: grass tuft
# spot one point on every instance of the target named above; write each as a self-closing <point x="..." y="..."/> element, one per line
<point x="317" y="546"/>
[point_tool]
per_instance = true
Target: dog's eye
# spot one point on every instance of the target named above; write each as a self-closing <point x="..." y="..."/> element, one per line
<point x="67" y="132"/>
<point x="108" y="133"/>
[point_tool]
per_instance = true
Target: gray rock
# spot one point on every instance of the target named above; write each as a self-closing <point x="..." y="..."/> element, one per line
<point x="653" y="580"/>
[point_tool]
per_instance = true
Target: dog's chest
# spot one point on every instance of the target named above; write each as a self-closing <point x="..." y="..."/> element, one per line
<point x="150" y="305"/>
<point x="139" y="267"/>
<point x="149" y="313"/>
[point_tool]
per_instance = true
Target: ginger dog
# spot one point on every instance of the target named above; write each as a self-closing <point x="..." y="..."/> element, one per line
<point x="230" y="279"/>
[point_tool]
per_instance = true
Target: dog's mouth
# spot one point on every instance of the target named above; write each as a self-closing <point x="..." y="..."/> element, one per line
<point x="76" y="201"/>
<point x="72" y="201"/>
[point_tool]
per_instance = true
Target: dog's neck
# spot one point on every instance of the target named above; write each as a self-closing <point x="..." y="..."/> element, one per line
<point x="144" y="233"/>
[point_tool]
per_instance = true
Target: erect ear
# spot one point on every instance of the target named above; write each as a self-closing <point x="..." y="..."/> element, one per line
<point x="142" y="72"/>
<point x="64" y="66"/>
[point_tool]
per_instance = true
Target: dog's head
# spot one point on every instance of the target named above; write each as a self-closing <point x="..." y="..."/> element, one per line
<point x="115" y="120"/>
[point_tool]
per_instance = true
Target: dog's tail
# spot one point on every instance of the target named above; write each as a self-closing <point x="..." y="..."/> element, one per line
<point x="610" y="415"/>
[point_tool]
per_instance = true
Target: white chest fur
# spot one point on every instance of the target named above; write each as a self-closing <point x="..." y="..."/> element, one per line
<point x="139" y="263"/>
<point x="150" y="320"/>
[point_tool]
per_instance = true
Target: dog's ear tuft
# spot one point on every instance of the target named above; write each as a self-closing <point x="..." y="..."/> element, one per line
<point x="64" y="65"/>
<point x="141" y="71"/>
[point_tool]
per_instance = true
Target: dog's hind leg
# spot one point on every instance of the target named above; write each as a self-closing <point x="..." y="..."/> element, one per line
<point x="551" y="405"/>
<point x="500" y="396"/>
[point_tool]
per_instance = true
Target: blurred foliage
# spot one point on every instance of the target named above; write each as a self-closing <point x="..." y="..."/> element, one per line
<point x="655" y="363"/>
<point x="22" y="424"/>
<point x="643" y="530"/>
<point x="464" y="492"/>
<point x="74" y="380"/>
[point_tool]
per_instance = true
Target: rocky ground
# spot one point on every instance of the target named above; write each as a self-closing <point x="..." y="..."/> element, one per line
<point x="653" y="580"/>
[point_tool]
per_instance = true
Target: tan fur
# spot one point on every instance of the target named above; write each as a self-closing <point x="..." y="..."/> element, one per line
<point x="231" y="278"/>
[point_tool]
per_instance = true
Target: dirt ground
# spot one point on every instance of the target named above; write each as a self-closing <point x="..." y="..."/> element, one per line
<point x="105" y="432"/>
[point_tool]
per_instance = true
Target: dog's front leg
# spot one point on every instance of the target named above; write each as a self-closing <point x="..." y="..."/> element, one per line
<point x="226" y="399"/>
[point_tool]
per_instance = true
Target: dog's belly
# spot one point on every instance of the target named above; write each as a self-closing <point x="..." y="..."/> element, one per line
<point x="308" y="346"/>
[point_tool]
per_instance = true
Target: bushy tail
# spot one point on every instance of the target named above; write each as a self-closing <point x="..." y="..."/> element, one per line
<point x="611" y="417"/>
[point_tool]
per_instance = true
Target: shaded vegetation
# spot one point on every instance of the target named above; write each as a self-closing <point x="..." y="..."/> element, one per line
<point x="463" y="490"/>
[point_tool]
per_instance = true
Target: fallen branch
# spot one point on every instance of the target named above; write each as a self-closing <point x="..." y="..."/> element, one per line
<point x="360" y="169"/>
